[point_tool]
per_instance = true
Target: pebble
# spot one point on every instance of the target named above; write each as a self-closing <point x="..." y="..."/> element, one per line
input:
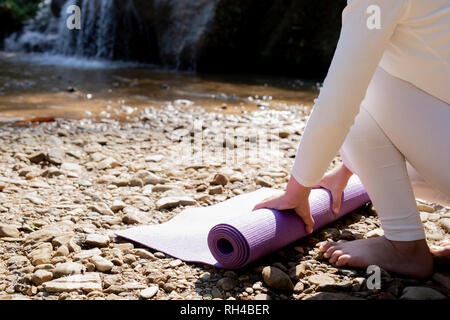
<point x="67" y="269"/>
<point x="41" y="276"/>
<point x="150" y="292"/>
<point x="87" y="282"/>
<point x="375" y="233"/>
<point x="97" y="240"/>
<point x="42" y="254"/>
<point x="226" y="283"/>
<point x="101" y="264"/>
<point x="9" y="231"/>
<point x="277" y="279"/>
<point x="172" y="202"/>
<point x="321" y="280"/>
<point x="118" y="205"/>
<point x="220" y="179"/>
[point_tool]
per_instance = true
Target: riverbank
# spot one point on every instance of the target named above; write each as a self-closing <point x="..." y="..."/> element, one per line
<point x="67" y="186"/>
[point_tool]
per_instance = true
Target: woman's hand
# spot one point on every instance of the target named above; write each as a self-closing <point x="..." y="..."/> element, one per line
<point x="295" y="197"/>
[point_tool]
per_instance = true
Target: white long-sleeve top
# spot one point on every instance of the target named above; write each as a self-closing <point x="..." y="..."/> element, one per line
<point x="412" y="43"/>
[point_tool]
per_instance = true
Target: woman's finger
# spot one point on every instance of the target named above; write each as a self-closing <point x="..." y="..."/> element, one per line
<point x="270" y="203"/>
<point x="307" y="218"/>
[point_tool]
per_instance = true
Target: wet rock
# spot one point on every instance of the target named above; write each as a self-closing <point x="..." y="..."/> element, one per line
<point x="277" y="279"/>
<point x="87" y="282"/>
<point x="97" y="240"/>
<point x="150" y="292"/>
<point x="172" y="202"/>
<point x="421" y="293"/>
<point x="41" y="276"/>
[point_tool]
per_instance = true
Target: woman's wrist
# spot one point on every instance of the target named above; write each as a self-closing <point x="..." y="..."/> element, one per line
<point x="296" y="192"/>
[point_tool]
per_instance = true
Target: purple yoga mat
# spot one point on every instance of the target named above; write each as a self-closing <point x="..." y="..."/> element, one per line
<point x="229" y="235"/>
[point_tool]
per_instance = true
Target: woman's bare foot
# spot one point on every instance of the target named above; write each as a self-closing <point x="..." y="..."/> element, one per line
<point x="410" y="258"/>
<point x="336" y="181"/>
<point x="442" y="250"/>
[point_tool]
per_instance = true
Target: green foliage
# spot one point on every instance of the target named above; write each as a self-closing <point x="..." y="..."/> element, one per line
<point x="21" y="9"/>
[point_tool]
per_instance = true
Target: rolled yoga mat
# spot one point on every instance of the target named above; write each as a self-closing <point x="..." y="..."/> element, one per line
<point x="229" y="235"/>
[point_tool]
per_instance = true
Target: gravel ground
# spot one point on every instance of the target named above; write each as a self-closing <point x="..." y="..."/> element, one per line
<point x="67" y="186"/>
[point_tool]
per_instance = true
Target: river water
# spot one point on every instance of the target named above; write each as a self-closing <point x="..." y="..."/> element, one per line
<point x="33" y="85"/>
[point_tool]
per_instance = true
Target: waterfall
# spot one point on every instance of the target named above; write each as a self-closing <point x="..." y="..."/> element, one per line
<point x="167" y="32"/>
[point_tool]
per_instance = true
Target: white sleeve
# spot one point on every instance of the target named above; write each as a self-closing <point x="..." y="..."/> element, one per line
<point x="357" y="55"/>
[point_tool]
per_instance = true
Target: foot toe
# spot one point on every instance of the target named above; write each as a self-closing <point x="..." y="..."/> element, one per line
<point x="343" y="260"/>
<point x="335" y="256"/>
<point x="324" y="247"/>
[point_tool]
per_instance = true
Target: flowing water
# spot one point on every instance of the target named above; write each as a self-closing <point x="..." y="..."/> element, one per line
<point x="50" y="71"/>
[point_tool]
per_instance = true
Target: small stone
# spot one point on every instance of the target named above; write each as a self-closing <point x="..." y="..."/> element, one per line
<point x="108" y="163"/>
<point x="321" y="280"/>
<point x="172" y="202"/>
<point x="444" y="223"/>
<point x="72" y="170"/>
<point x="148" y="177"/>
<point x="101" y="208"/>
<point x="87" y="282"/>
<point x="62" y="251"/>
<point x="150" y="292"/>
<point x="206" y="276"/>
<point x="220" y="179"/>
<point x="159" y="255"/>
<point x="216" y="293"/>
<point x="299" y="287"/>
<point x="277" y="279"/>
<point x="41" y="276"/>
<point x="262" y="296"/>
<point x="35" y="199"/>
<point x="421" y="293"/>
<point x="375" y="233"/>
<point x="86" y="254"/>
<point x="176" y="263"/>
<point x="97" y="240"/>
<point x="101" y="264"/>
<point x="144" y="254"/>
<point x="154" y="158"/>
<point x="42" y="254"/>
<point x="216" y="190"/>
<point x="67" y="269"/>
<point x="425" y="208"/>
<point x="118" y="205"/>
<point x="38" y="157"/>
<point x="263" y="182"/>
<point x="226" y="283"/>
<point x="7" y="231"/>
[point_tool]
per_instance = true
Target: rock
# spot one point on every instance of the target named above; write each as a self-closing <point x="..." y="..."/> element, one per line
<point x="2" y="186"/>
<point x="421" y="293"/>
<point x="154" y="158"/>
<point x="425" y="208"/>
<point x="86" y="254"/>
<point x="299" y="287"/>
<point x="42" y="254"/>
<point x="108" y="163"/>
<point x="133" y="216"/>
<point x="41" y="276"/>
<point x="216" y="293"/>
<point x="150" y="178"/>
<point x="118" y="205"/>
<point x="101" y="264"/>
<point x="38" y="157"/>
<point x="72" y="170"/>
<point x="101" y="208"/>
<point x="62" y="251"/>
<point x="226" y="284"/>
<point x="216" y="190"/>
<point x="144" y="254"/>
<point x="321" y="280"/>
<point x="67" y="269"/>
<point x="237" y="177"/>
<point x="55" y="156"/>
<point x="176" y="263"/>
<point x="97" y="240"/>
<point x="220" y="179"/>
<point x="375" y="233"/>
<point x="35" y="199"/>
<point x="442" y="279"/>
<point x="206" y="276"/>
<point x="444" y="223"/>
<point x="16" y="262"/>
<point x="172" y="202"/>
<point x="263" y="182"/>
<point x="262" y="296"/>
<point x="277" y="279"/>
<point x="299" y="271"/>
<point x="150" y="292"/>
<point x="87" y="282"/>
<point x="8" y="231"/>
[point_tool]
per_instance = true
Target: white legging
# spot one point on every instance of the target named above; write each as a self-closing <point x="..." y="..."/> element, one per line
<point x="399" y="146"/>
